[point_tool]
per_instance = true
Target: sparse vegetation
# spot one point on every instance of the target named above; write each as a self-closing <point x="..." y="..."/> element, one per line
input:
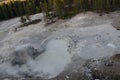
<point x="26" y="20"/>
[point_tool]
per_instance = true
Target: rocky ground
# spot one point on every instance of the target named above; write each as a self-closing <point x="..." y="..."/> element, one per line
<point x="85" y="47"/>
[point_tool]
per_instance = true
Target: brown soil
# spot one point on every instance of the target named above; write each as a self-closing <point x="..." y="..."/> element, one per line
<point x="116" y="57"/>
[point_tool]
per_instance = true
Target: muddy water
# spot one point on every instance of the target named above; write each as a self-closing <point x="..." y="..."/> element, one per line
<point x="47" y="65"/>
<point x="56" y="57"/>
<point x="53" y="60"/>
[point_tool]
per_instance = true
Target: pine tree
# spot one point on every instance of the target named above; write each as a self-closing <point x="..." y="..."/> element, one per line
<point x="76" y="5"/>
<point x="59" y="8"/>
<point x="4" y="10"/>
<point x="45" y="9"/>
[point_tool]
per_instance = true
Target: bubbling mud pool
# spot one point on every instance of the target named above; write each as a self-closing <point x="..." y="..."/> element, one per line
<point x="47" y="65"/>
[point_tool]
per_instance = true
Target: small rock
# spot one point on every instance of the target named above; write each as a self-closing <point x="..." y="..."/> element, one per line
<point x="67" y="77"/>
<point x="97" y="79"/>
<point x="111" y="45"/>
<point x="116" y="25"/>
<point x="108" y="63"/>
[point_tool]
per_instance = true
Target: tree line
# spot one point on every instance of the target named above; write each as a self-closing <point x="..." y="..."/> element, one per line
<point x="67" y="8"/>
<point x="59" y="8"/>
<point x="17" y="8"/>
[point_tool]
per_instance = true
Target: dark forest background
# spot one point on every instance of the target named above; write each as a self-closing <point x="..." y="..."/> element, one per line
<point x="60" y="8"/>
